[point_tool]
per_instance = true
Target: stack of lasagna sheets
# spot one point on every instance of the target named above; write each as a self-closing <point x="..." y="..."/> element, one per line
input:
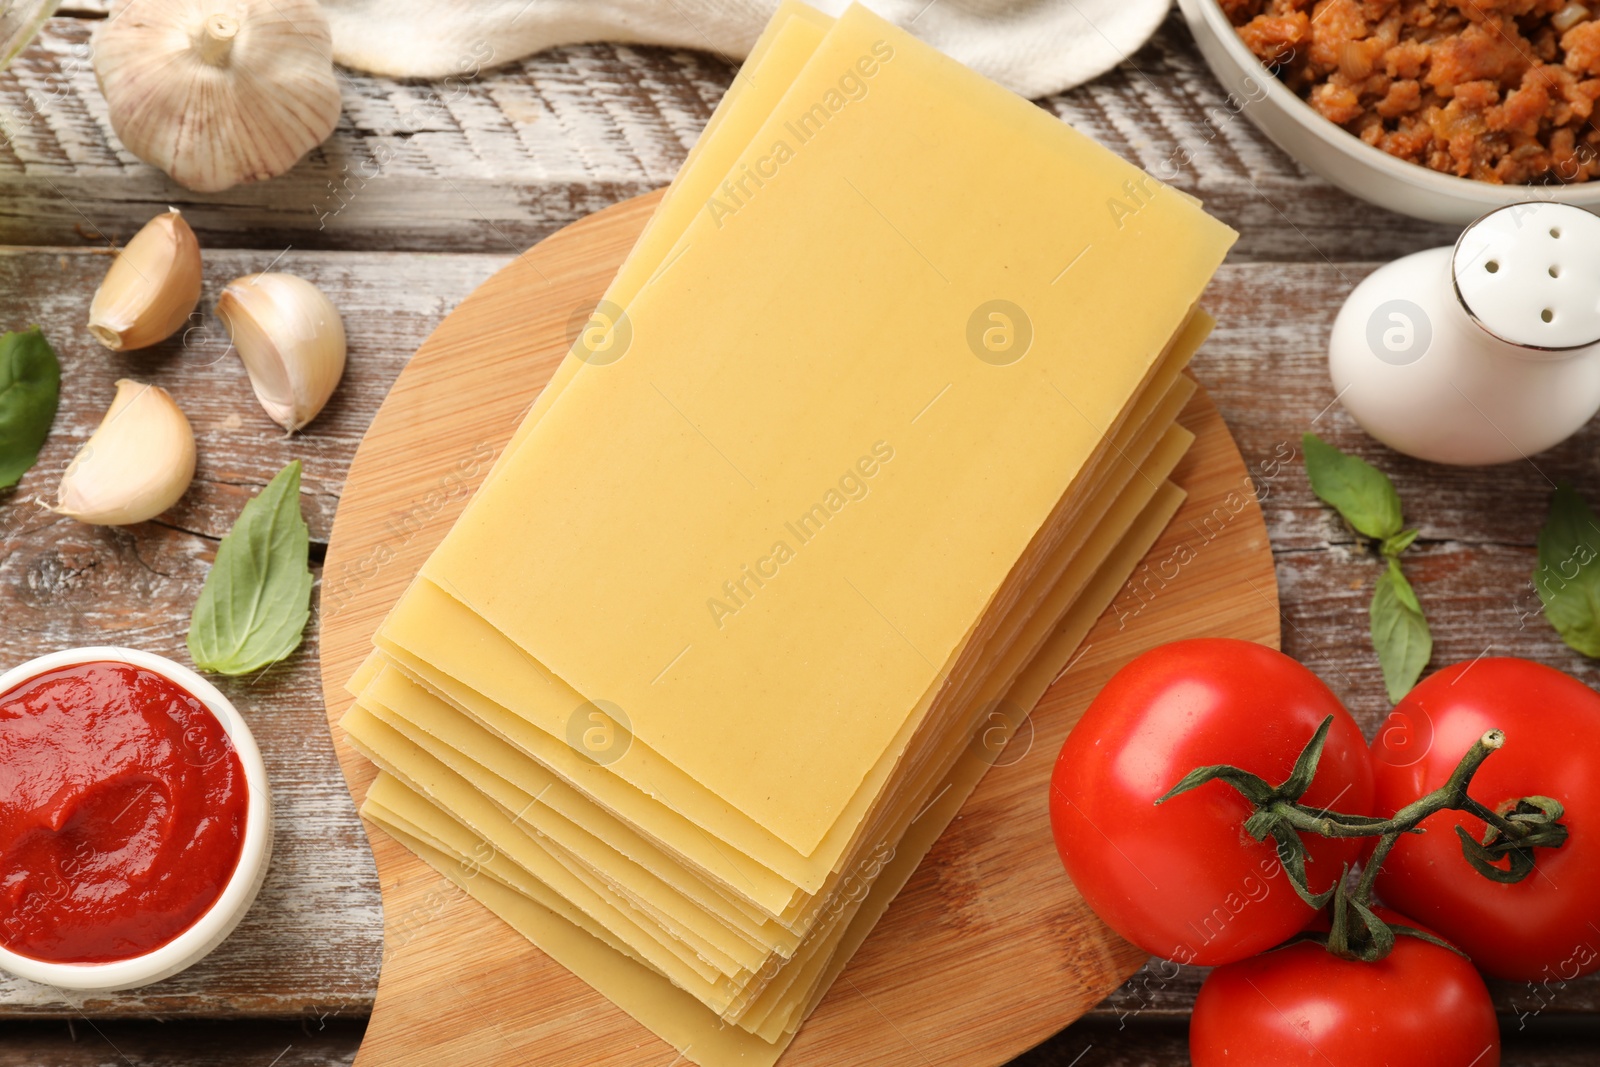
<point x="871" y="426"/>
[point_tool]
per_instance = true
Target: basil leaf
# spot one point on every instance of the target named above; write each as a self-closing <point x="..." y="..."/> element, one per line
<point x="30" y="389"/>
<point x="257" y="599"/>
<point x="1360" y="492"/>
<point x="1399" y="632"/>
<point x="1393" y="546"/>
<point x="1567" y="577"/>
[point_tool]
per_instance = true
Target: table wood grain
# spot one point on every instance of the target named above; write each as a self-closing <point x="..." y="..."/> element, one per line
<point x="424" y="191"/>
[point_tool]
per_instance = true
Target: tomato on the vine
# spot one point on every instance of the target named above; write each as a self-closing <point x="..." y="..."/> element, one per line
<point x="1183" y="880"/>
<point x="1547" y="926"/>
<point x="1419" y="1006"/>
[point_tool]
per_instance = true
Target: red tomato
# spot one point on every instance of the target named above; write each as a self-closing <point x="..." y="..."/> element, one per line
<point x="1183" y="880"/>
<point x="1420" y="1006"/>
<point x="1546" y="927"/>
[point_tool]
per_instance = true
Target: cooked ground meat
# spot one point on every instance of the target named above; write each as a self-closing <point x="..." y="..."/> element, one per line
<point x="1503" y="91"/>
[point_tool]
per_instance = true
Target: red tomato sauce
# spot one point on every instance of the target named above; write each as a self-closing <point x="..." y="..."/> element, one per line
<point x="122" y="813"/>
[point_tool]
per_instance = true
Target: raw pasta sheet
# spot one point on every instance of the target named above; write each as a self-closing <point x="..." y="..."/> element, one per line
<point x="639" y="528"/>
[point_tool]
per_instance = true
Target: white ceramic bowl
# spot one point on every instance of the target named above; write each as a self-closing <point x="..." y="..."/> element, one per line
<point x="213" y="927"/>
<point x="1342" y="157"/>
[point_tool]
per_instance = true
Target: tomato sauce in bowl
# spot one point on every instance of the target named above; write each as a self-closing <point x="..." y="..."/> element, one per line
<point x="123" y="812"/>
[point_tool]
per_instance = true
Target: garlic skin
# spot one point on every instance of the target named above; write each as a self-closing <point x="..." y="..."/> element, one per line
<point x="137" y="464"/>
<point x="152" y="287"/>
<point x="218" y="92"/>
<point x="291" y="340"/>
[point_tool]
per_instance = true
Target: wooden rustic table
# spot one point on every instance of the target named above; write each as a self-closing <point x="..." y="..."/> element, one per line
<point x="425" y="190"/>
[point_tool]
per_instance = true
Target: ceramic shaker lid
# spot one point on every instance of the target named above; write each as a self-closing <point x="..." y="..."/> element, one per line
<point x="1530" y="274"/>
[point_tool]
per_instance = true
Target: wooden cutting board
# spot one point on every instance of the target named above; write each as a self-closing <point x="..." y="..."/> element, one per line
<point x="988" y="950"/>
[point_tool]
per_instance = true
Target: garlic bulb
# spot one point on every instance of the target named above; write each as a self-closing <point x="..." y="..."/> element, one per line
<point x="136" y="465"/>
<point x="152" y="287"/>
<point x="291" y="341"/>
<point x="218" y="92"/>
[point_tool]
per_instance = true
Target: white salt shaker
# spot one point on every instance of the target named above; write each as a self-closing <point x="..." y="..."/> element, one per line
<point x="1481" y="353"/>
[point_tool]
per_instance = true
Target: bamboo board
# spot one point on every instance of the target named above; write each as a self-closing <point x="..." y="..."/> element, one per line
<point x="987" y="951"/>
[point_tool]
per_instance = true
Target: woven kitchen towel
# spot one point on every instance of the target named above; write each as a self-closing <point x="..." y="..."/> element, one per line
<point x="1034" y="47"/>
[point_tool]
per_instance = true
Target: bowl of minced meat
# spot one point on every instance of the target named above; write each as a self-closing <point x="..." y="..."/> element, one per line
<point x="1444" y="109"/>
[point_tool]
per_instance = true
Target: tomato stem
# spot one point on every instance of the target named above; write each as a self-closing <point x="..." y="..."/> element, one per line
<point x="1512" y="835"/>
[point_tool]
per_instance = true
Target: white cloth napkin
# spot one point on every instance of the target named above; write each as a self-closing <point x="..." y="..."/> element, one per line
<point x="1033" y="47"/>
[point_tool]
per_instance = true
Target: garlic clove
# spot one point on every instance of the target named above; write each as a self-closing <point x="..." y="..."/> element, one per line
<point x="217" y="94"/>
<point x="137" y="464"/>
<point x="152" y="287"/>
<point x="291" y="341"/>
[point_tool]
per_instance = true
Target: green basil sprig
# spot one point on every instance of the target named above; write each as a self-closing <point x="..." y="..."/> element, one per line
<point x="30" y="390"/>
<point x="1367" y="500"/>
<point x="1567" y="576"/>
<point x="1399" y="632"/>
<point x="256" y="602"/>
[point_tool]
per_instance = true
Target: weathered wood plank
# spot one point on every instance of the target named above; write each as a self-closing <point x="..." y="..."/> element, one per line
<point x="313" y="940"/>
<point x="63" y="584"/>
<point x="389" y="304"/>
<point x="497" y="163"/>
<point x="488" y="165"/>
<point x="305" y="1043"/>
<point x="1163" y="991"/>
<point x="492" y="166"/>
<point x="1097" y="1043"/>
<point x="83" y="1042"/>
<point x="1472" y="565"/>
